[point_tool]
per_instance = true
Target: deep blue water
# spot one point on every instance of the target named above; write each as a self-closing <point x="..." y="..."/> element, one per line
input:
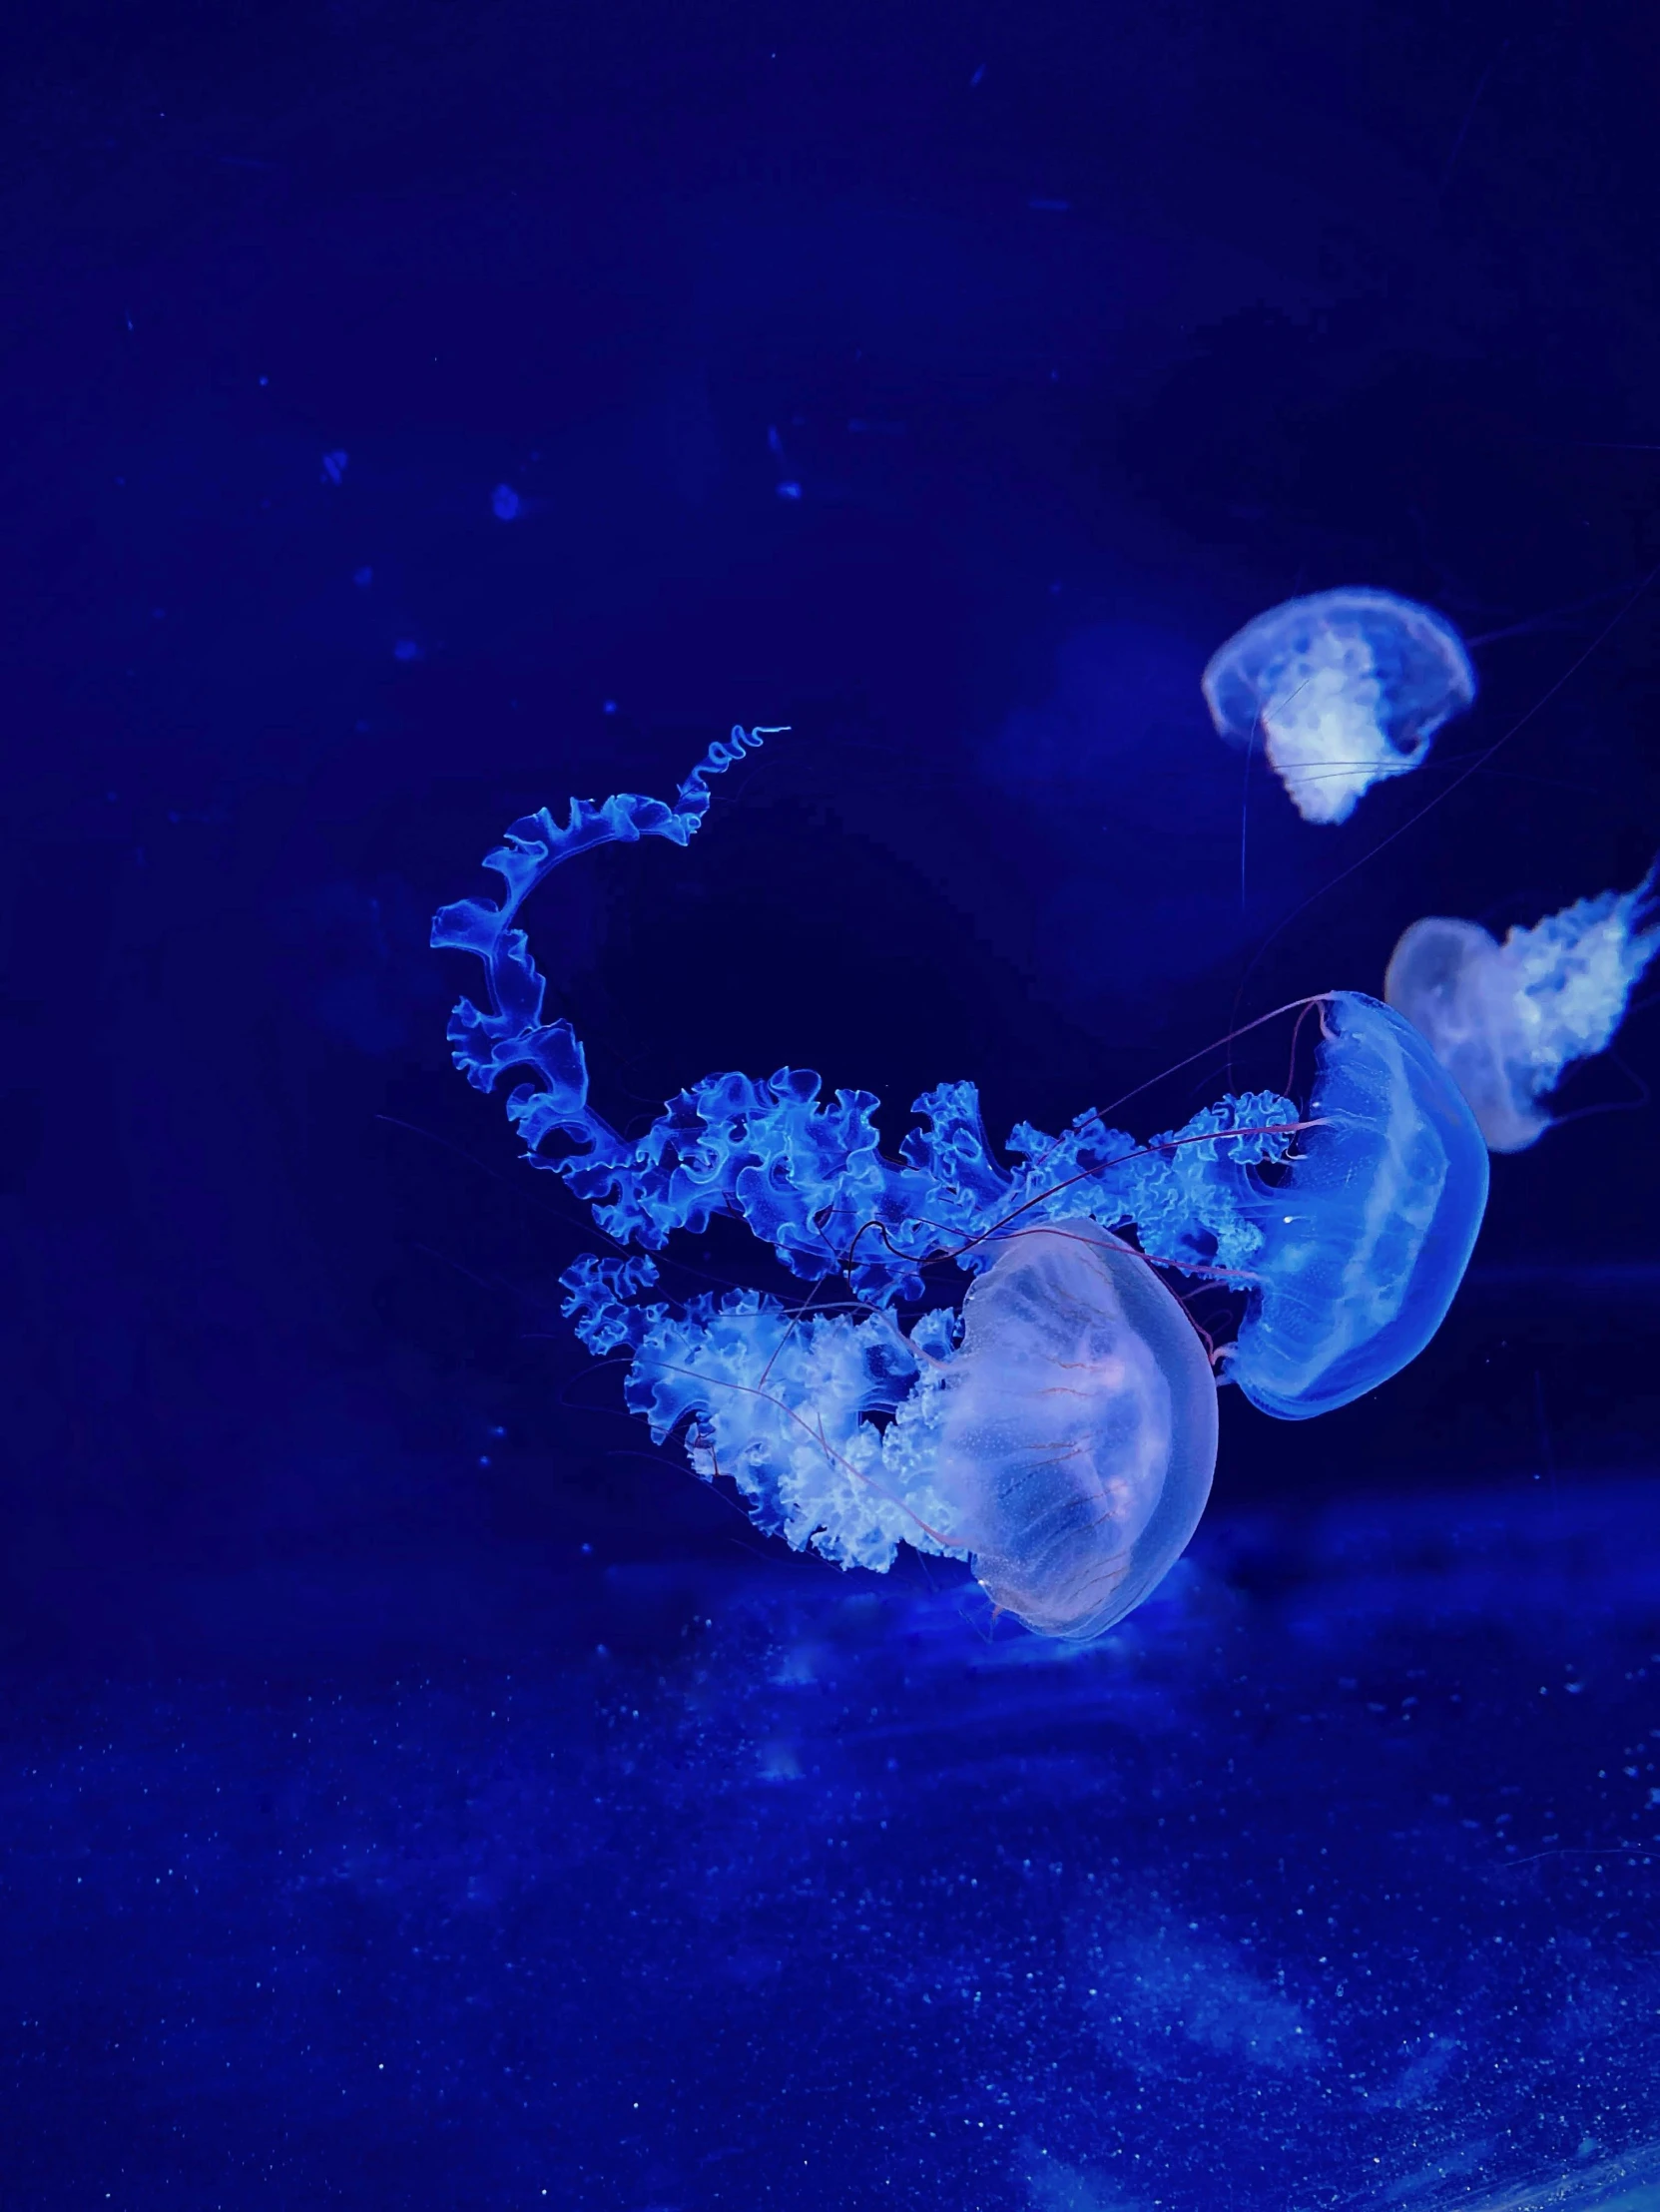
<point x="1325" y="1883"/>
<point x="416" y="1791"/>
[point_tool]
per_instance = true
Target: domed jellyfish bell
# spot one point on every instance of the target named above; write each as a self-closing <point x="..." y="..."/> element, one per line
<point x="1344" y="689"/>
<point x="1506" y="1019"/>
<point x="1079" y="1430"/>
<point x="1367" y="1239"/>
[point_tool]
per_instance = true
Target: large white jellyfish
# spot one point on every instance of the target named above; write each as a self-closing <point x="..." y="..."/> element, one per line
<point x="1342" y="689"/>
<point x="1506" y="1019"/>
<point x="1062" y="1438"/>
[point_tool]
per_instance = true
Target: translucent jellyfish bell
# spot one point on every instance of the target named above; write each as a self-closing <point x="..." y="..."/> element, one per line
<point x="1342" y="689"/>
<point x="1506" y="1019"/>
<point x="1079" y="1428"/>
<point x="1367" y="1239"/>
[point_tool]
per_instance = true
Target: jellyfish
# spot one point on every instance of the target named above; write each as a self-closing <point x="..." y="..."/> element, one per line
<point x="1366" y="1242"/>
<point x="1078" y="1430"/>
<point x="1058" y="1427"/>
<point x="1346" y="687"/>
<point x="1507" y="1019"/>
<point x="1060" y="1434"/>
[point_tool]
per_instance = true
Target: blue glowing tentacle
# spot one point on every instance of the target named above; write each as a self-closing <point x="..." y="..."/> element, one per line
<point x="509" y="1031"/>
<point x="804" y="1172"/>
<point x="779" y="1403"/>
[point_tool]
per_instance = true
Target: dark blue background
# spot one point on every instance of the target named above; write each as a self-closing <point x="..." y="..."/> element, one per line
<point x="945" y="383"/>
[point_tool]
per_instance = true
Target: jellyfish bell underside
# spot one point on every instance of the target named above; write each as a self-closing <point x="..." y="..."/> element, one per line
<point x="1342" y="688"/>
<point x="1365" y="1240"/>
<point x="1079" y="1431"/>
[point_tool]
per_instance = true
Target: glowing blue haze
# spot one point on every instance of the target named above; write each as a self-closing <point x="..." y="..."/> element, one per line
<point x="851" y="1432"/>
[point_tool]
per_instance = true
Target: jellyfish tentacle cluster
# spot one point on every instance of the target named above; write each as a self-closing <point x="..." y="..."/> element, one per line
<point x="509" y="1033"/>
<point x="1052" y="1430"/>
<point x="1342" y="689"/>
<point x="1507" y="1020"/>
<point x="782" y="1402"/>
<point x="804" y="1172"/>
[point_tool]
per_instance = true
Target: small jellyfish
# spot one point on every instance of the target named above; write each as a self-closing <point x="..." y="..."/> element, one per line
<point x="1506" y="1019"/>
<point x="1367" y="1239"/>
<point x="1346" y="687"/>
<point x="1078" y="1434"/>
